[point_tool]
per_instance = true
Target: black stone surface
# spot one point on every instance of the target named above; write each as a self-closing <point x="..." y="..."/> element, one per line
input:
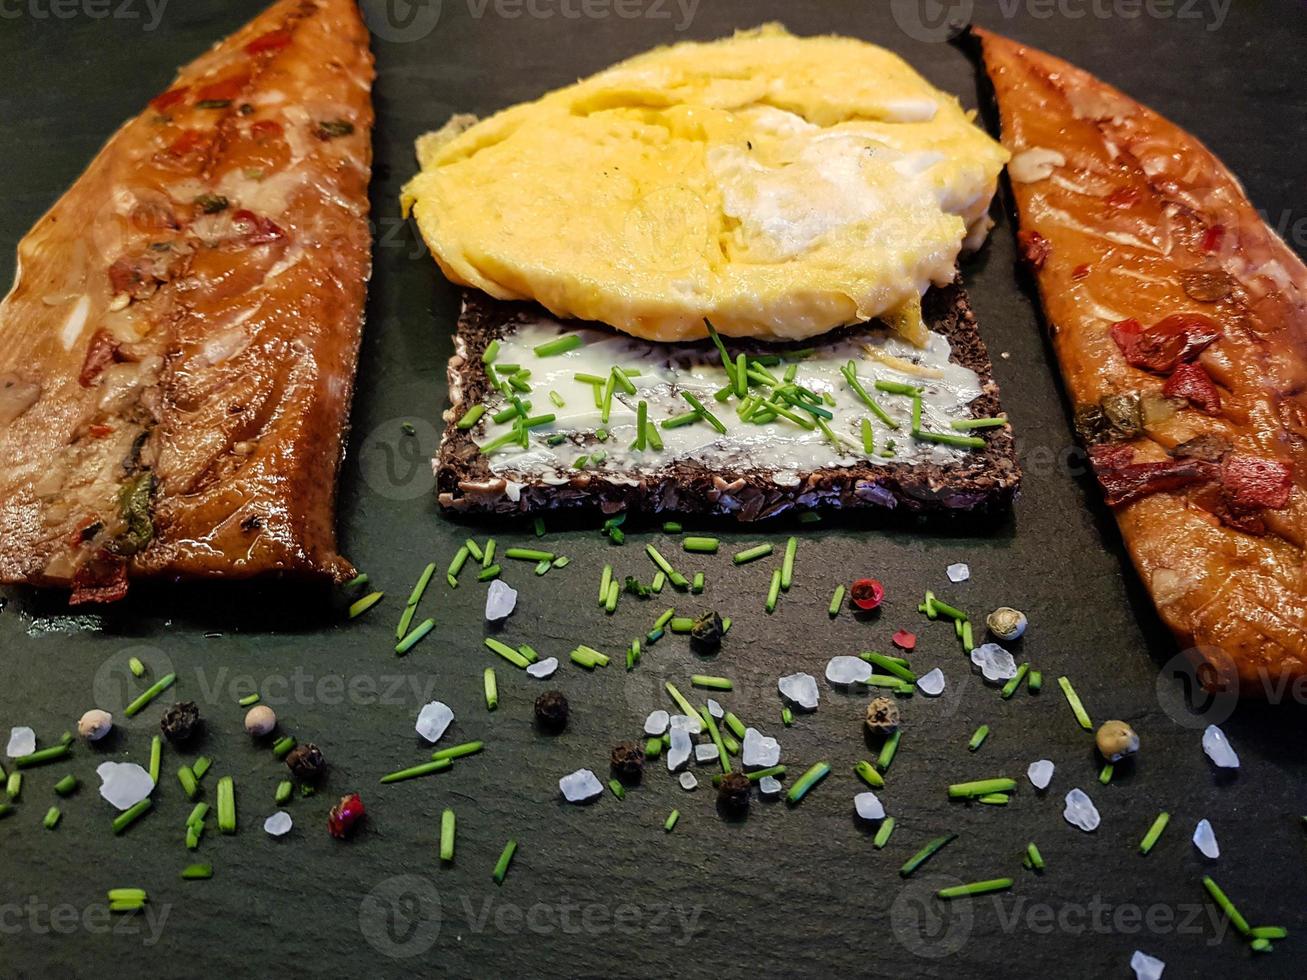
<point x="602" y="890"/>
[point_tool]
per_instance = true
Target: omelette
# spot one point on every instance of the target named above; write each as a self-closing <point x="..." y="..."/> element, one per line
<point x="777" y="186"/>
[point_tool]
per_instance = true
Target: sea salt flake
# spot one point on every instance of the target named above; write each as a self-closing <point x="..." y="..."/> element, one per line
<point x="869" y="806"/>
<point x="1080" y="811"/>
<point x="994" y="662"/>
<point x="958" y="572"/>
<point x="847" y="670"/>
<point x="769" y="786"/>
<point x="1146" y="967"/>
<point x="800" y="690"/>
<point x="1218" y="748"/>
<point x="707" y="752"/>
<point x="759" y="751"/>
<point x="22" y="741"/>
<point x="931" y="683"/>
<point x="278" y="824"/>
<point x="716" y="710"/>
<point x="1205" y="839"/>
<point x="678" y="753"/>
<point x="688" y="781"/>
<point x="657" y="722"/>
<point x="1040" y="773"/>
<point x="433" y="719"/>
<point x="687" y="723"/>
<point x="501" y="600"/>
<point x="580" y="786"/>
<point x="124" y="784"/>
<point x="543" y="668"/>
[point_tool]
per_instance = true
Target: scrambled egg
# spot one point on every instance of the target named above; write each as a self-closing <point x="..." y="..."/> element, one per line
<point x="779" y="186"/>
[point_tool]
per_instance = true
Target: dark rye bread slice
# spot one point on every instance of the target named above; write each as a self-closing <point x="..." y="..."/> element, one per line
<point x="983" y="482"/>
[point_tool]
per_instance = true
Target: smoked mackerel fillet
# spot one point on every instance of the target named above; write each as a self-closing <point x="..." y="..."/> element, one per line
<point x="1180" y="323"/>
<point x="177" y="355"/>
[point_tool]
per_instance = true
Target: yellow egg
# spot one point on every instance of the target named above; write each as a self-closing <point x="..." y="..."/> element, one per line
<point x="778" y="186"/>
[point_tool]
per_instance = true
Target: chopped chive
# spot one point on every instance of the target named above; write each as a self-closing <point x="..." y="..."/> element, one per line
<point x="360" y="606"/>
<point x="136" y="667"/>
<point x="421" y="630"/>
<point x="676" y="578"/>
<point x="474" y="548"/>
<point x="976" y="888"/>
<point x="787" y="716"/>
<point x="773" y="591"/>
<point x="358" y="581"/>
<point x="939" y="605"/>
<point x="126" y="895"/>
<point x="131" y="815"/>
<point x="605" y="580"/>
<point x="186" y="777"/>
<point x="458" y="751"/>
<point x="867" y="772"/>
<point x="283" y="792"/>
<point x="614" y="593"/>
<point x="1269" y="932"/>
<point x="200" y="766"/>
<point x="850" y="375"/>
<point x="456" y="566"/>
<point x="964" y="425"/>
<point x="154" y="690"/>
<point x="42" y="756"/>
<point x="931" y="848"/>
<point x="711" y="682"/>
<point x="978" y="739"/>
<point x="707" y="546"/>
<point x="641" y="425"/>
<point x="868" y="437"/>
<point x="414" y="598"/>
<point x="677" y="421"/>
<point x="681" y="702"/>
<point x="787" y="565"/>
<point x="491" y="572"/>
<point x="1033" y="858"/>
<point x="883" y="834"/>
<point x="741" y="377"/>
<point x="197" y="872"/>
<point x="1036" y="681"/>
<point x="617" y="789"/>
<point x="529" y="554"/>
<point x="491" y="352"/>
<point x="680" y="624"/>
<point x="734" y="724"/>
<point x="652" y="747"/>
<point x="227" y="805"/>
<point x="752" y="554"/>
<point x="664" y="619"/>
<point x="807" y="781"/>
<point x="993" y="799"/>
<point x="708" y="416"/>
<point x="471" y="417"/>
<point x="507" y="652"/>
<point x="836" y="601"/>
<point x="659" y="580"/>
<point x="606" y="408"/>
<point x="543" y="567"/>
<point x="52" y="816"/>
<point x="897" y="388"/>
<point x="281" y="748"/>
<point x="888" y="751"/>
<point x="249" y="699"/>
<point x="491" y="689"/>
<point x="1010" y="688"/>
<point x="14" y="785"/>
<point x="562" y="345"/>
<point x="562" y="561"/>
<point x="949" y="439"/>
<point x="1154" y="832"/>
<point x="413" y="772"/>
<point x="1077" y="707"/>
<point x="981" y="787"/>
<point x="505" y="859"/>
<point x="197" y="814"/>
<point x="891" y="664"/>
<point x="670" y="822"/>
<point x="916" y="414"/>
<point x="1226" y="906"/>
<point x="66" y="785"/>
<point x="1105" y="774"/>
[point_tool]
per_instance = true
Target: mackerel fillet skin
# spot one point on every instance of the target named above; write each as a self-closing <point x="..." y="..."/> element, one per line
<point x="177" y="354"/>
<point x="1179" y="320"/>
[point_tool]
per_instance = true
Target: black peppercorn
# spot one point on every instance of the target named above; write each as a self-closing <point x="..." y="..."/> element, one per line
<point x="733" y="794"/>
<point x="627" y="760"/>
<point x="306" y="762"/>
<point x="551" y="711"/>
<point x="180" y="722"/>
<point x="706" y="634"/>
<point x="882" y="716"/>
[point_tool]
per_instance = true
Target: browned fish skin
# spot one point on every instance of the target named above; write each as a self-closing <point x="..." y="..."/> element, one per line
<point x="179" y="347"/>
<point x="1139" y="221"/>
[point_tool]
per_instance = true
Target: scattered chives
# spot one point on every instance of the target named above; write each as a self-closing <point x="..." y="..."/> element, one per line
<point x="707" y="546"/>
<point x="949" y="438"/>
<point x="197" y="872"/>
<point x="425" y="769"/>
<point x="787" y="716"/>
<point x="890" y="664"/>
<point x="131" y="815"/>
<point x="447" y="835"/>
<point x="200" y="766"/>
<point x="1105" y="774"/>
<point x="360" y="606"/>
<point x="836" y="601"/>
<point x="281" y="748"/>
<point x="126" y="895"/>
<point x="507" y="652"/>
<point x="787" y="566"/>
<point x="492" y="689"/>
<point x="652" y="747"/>
<point x="562" y="345"/>
<point x="981" y="787"/>
<point x="529" y="554"/>
<point x="52" y="816"/>
<point x="931" y="848"/>
<point x="916" y="415"/>
<point x="964" y="425"/>
<point x="42" y="756"/>
<point x="471" y="417"/>
<point x="489" y="573"/>
<point x="734" y="724"/>
<point x="1154" y="832"/>
<point x="897" y="388"/>
<point x="807" y="781"/>
<point x="670" y="822"/>
<point x="457" y="751"/>
<point x="697" y="585"/>
<point x="282" y="794"/>
<point x="1226" y="906"/>
<point x="659" y="580"/>
<point x="414" y="598"/>
<point x="161" y="685"/>
<point x="1033" y="856"/>
<point x="994" y="799"/>
<point x="1036" y="681"/>
<point x="868" y="437"/>
<point x="676" y="578"/>
<point x="712" y="683"/>
<point x="888" y="751"/>
<point x="773" y="591"/>
<point x="1010" y="688"/>
<point x="505" y="859"/>
<point x="614" y="593"/>
<point x="456" y="566"/>
<point x="1077" y="707"/>
<point x="66" y="785"/>
<point x="248" y="700"/>
<point x="867" y="772"/>
<point x="136" y="667"/>
<point x="488" y="553"/>
<point x="752" y="554"/>
<point x="421" y="630"/>
<point x="474" y="548"/>
<point x="14" y="785"/>
<point x="189" y="784"/>
<point x="491" y="352"/>
<point x="227" y="805"/>
<point x="978" y="739"/>
<point x="976" y="888"/>
<point x="605" y="580"/>
<point x="883" y="834"/>
<point x="680" y="624"/>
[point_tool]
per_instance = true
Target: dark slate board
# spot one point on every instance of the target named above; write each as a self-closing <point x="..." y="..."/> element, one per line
<point x="602" y="891"/>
